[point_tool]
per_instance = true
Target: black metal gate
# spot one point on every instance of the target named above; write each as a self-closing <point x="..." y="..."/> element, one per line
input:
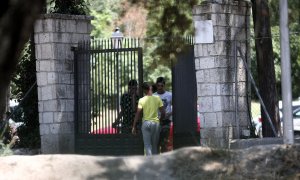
<point x="185" y="100"/>
<point x="103" y="69"/>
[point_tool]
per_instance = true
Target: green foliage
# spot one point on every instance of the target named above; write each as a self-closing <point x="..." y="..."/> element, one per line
<point x="105" y="14"/>
<point x="169" y="22"/>
<point x="295" y="58"/>
<point x="24" y="78"/>
<point x="76" y="7"/>
<point x="5" y="150"/>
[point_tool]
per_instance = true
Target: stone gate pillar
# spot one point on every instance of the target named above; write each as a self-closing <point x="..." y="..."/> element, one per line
<point x="218" y="24"/>
<point x="55" y="34"/>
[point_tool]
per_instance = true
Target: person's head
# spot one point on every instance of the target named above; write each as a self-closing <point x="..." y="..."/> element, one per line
<point x="147" y="88"/>
<point x="160" y="85"/>
<point x="132" y="86"/>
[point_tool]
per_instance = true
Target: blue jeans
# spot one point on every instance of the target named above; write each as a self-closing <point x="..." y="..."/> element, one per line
<point x="150" y="131"/>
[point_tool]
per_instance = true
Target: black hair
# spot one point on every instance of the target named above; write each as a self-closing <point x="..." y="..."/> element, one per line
<point x="132" y="82"/>
<point x="160" y="80"/>
<point x="146" y="86"/>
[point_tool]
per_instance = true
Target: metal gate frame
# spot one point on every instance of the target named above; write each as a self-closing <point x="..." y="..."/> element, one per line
<point x="88" y="103"/>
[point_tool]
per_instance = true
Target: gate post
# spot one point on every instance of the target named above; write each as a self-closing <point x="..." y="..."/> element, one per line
<point x="219" y="24"/>
<point x="55" y="34"/>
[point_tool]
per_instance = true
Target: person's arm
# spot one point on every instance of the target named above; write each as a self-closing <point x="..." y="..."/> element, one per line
<point x="118" y="119"/>
<point x="169" y="114"/>
<point x="162" y="113"/>
<point x="136" y="118"/>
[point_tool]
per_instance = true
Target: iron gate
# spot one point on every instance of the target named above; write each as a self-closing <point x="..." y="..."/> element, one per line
<point x="186" y="132"/>
<point x="102" y="70"/>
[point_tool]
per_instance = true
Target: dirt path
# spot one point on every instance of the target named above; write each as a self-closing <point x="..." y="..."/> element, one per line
<point x="261" y="162"/>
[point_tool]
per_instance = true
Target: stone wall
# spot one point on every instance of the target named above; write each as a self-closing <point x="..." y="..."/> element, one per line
<point x="55" y="34"/>
<point x="216" y="68"/>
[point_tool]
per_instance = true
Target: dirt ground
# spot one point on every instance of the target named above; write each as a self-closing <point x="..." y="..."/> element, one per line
<point x="260" y="162"/>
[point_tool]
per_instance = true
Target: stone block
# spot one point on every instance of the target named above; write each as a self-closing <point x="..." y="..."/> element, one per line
<point x="38" y="51"/>
<point x="71" y="26"/>
<point x="60" y="51"/>
<point x="60" y="25"/>
<point x="197" y="64"/>
<point x="217" y="103"/>
<point x="47" y="51"/>
<point x="52" y="78"/>
<point x="81" y="27"/>
<point x="44" y="129"/>
<point x="51" y="106"/>
<point x="69" y="65"/>
<point x="67" y="127"/>
<point x="38" y="27"/>
<point x="70" y="91"/>
<point x="39" y="92"/>
<point x="64" y="78"/>
<point x="224" y="89"/>
<point x="210" y="120"/>
<point x="48" y="25"/>
<point x="226" y="118"/>
<point x="207" y="62"/>
<point x="47" y="93"/>
<point x="70" y="106"/>
<point x="223" y="62"/>
<point x="66" y="37"/>
<point x="45" y="38"/>
<point x="41" y="78"/>
<point x="55" y="128"/>
<point x="61" y="91"/>
<point x="242" y="91"/>
<point x="47" y="117"/>
<point x="205" y="104"/>
<point x="66" y="143"/>
<point x="71" y="117"/>
<point x="200" y="76"/>
<point x="211" y="50"/>
<point x="40" y="106"/>
<point x="45" y="66"/>
<point x="49" y="144"/>
<point x="244" y="119"/>
<point x="228" y="103"/>
<point x="207" y="89"/>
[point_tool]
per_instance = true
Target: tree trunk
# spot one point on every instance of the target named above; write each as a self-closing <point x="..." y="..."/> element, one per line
<point x="16" y="22"/>
<point x="265" y="65"/>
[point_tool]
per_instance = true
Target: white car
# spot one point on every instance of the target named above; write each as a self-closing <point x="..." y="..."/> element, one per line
<point x="257" y="121"/>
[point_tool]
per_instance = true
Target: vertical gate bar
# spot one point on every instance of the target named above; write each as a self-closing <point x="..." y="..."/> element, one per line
<point x="128" y="65"/>
<point x="75" y="51"/>
<point x="106" y="86"/>
<point x="94" y="87"/>
<point x="102" y="84"/>
<point x="84" y="87"/>
<point x="110" y="89"/>
<point x="91" y="72"/>
<point x="118" y="86"/>
<point x="104" y="89"/>
<point x="87" y="85"/>
<point x="95" y="65"/>
<point x="140" y="70"/>
<point x="134" y="61"/>
<point x="99" y="84"/>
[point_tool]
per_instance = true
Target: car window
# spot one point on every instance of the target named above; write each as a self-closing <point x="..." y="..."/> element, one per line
<point x="297" y="114"/>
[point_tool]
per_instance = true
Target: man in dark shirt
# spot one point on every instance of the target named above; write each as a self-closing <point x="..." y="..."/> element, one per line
<point x="128" y="104"/>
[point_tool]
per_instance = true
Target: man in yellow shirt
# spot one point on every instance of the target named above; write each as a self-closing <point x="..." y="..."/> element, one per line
<point x="149" y="105"/>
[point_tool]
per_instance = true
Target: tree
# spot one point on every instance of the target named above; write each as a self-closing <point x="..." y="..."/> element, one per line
<point x="16" y="23"/>
<point x="265" y="65"/>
